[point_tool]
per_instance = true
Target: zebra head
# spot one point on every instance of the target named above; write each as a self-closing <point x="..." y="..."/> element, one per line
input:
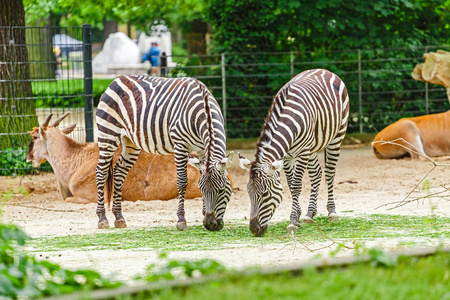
<point x="265" y="191"/>
<point x="215" y="186"/>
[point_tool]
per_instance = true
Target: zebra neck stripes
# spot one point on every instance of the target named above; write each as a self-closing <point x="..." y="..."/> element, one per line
<point x="308" y="114"/>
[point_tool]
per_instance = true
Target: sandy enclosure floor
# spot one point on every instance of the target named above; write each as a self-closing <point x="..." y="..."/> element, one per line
<point x="363" y="185"/>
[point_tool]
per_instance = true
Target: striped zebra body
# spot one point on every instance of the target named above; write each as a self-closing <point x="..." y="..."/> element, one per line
<point x="309" y="114"/>
<point x="163" y="116"/>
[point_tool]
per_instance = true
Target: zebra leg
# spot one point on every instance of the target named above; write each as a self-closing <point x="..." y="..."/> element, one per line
<point x="315" y="175"/>
<point x="103" y="173"/>
<point x="331" y="157"/>
<point x="130" y="153"/>
<point x="294" y="170"/>
<point x="181" y="159"/>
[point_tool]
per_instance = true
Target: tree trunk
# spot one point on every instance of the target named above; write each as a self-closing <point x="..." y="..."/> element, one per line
<point x="435" y="69"/>
<point x="17" y="109"/>
<point x="108" y="28"/>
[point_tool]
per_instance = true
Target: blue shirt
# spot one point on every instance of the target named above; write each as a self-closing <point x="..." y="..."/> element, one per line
<point x="154" y="56"/>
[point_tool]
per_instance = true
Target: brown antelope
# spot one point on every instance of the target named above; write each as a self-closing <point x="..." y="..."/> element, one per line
<point x="429" y="135"/>
<point x="153" y="177"/>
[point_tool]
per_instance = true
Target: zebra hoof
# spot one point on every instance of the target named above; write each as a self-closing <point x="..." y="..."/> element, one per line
<point x="103" y="225"/>
<point x="291" y="227"/>
<point x="182" y="226"/>
<point x="333" y="217"/>
<point x="308" y="220"/>
<point x="120" y="223"/>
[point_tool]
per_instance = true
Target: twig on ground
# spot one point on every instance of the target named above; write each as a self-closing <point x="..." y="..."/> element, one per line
<point x="42" y="208"/>
<point x="414" y="149"/>
<point x="308" y="244"/>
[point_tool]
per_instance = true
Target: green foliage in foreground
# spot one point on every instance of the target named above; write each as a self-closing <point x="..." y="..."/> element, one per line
<point x="182" y="269"/>
<point x="407" y="278"/>
<point x="24" y="277"/>
<point x="238" y="234"/>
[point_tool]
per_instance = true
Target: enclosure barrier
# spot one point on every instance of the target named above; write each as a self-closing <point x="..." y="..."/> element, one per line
<point x="49" y="70"/>
<point x="379" y="83"/>
<point x="43" y="70"/>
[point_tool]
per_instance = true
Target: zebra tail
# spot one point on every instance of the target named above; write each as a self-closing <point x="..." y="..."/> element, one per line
<point x="109" y="186"/>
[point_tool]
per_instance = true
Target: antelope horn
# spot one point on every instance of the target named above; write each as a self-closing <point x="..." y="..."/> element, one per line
<point x="56" y="123"/>
<point x="45" y="124"/>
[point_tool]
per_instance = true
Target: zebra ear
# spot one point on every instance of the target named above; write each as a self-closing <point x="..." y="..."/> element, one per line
<point x="244" y="163"/>
<point x="275" y="167"/>
<point x="225" y="162"/>
<point x="196" y="162"/>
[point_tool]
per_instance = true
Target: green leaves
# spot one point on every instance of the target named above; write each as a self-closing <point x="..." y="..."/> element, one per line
<point x="181" y="269"/>
<point x="22" y="276"/>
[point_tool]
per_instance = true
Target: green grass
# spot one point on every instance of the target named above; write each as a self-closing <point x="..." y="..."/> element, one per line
<point x="237" y="234"/>
<point x="408" y="278"/>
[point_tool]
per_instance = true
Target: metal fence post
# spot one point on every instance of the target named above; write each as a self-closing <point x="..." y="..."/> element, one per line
<point x="224" y="93"/>
<point x="360" y="93"/>
<point x="427" y="103"/>
<point x="292" y="64"/>
<point x="88" y="89"/>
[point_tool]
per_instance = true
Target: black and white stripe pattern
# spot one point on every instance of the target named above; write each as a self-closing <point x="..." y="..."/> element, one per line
<point x="309" y="114"/>
<point x="163" y="116"/>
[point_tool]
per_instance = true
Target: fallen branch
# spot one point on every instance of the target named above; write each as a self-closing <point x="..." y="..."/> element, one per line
<point x="420" y="153"/>
<point x="42" y="208"/>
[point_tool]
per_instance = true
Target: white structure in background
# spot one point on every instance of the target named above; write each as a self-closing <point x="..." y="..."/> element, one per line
<point x="121" y="55"/>
<point x="119" y="52"/>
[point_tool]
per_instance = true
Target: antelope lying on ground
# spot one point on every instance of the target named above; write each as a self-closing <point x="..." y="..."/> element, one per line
<point x="428" y="135"/>
<point x="153" y="177"/>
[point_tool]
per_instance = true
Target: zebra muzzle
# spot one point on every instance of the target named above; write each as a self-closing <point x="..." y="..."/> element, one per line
<point x="211" y="223"/>
<point x="256" y="228"/>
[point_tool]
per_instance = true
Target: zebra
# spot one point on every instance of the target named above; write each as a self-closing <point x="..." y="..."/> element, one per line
<point x="308" y="114"/>
<point x="163" y="116"/>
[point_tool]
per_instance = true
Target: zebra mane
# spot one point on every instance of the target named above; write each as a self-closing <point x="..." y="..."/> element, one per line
<point x="266" y="133"/>
<point x="210" y="129"/>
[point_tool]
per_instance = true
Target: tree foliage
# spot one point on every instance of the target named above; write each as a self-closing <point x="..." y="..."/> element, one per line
<point x="140" y="13"/>
<point x="327" y="24"/>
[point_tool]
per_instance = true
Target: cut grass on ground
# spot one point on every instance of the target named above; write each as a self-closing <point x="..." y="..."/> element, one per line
<point x="236" y="234"/>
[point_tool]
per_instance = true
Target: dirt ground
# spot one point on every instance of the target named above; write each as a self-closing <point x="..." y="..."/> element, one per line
<point x="363" y="185"/>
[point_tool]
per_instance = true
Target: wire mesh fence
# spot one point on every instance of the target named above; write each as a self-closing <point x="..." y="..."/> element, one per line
<point x="49" y="70"/>
<point x="44" y="70"/>
<point x="379" y="83"/>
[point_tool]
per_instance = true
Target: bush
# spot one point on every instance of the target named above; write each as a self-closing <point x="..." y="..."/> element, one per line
<point x="22" y="276"/>
<point x="13" y="162"/>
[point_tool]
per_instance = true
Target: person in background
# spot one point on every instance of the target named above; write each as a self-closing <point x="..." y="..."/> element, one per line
<point x="163" y="63"/>
<point x="154" y="58"/>
<point x="57" y="53"/>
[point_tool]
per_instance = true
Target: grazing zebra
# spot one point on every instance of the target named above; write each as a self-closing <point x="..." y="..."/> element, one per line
<point x="308" y="114"/>
<point x="163" y="116"/>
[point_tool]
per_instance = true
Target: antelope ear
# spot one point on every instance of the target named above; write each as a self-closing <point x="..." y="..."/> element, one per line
<point x="42" y="132"/>
<point x="69" y="128"/>
<point x="196" y="162"/>
<point x="244" y="163"/>
<point x="225" y="162"/>
<point x="275" y="167"/>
